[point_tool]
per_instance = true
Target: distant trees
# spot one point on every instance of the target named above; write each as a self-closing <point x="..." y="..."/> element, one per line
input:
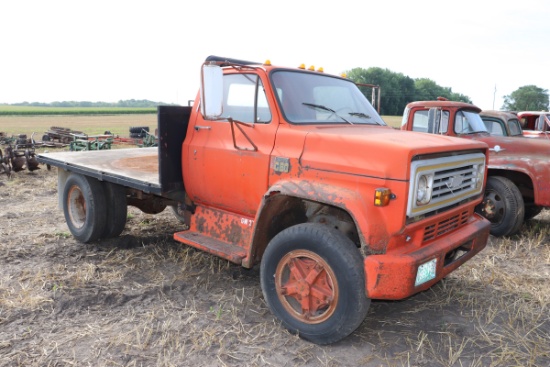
<point x="397" y="89"/>
<point x="122" y="103"/>
<point x="527" y="98"/>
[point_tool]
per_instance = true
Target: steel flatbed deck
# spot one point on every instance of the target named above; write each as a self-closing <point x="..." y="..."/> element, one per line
<point x="132" y="167"/>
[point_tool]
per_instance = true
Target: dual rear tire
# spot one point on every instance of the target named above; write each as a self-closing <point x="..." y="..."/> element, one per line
<point x="93" y="209"/>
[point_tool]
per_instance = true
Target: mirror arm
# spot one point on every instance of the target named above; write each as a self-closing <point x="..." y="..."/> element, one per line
<point x="238" y="123"/>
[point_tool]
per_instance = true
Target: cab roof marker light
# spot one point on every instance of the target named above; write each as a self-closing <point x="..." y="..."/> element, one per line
<point x="302" y="66"/>
<point x="321" y="70"/>
<point x="267" y="62"/>
<point x="311" y="68"/>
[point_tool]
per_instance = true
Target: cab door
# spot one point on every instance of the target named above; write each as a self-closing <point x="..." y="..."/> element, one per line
<point x="229" y="158"/>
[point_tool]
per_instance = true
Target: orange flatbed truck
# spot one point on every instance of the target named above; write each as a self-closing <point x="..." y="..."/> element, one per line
<point x="293" y="170"/>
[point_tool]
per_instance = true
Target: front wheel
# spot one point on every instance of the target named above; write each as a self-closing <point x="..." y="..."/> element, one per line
<point x="503" y="206"/>
<point x="313" y="280"/>
<point x="117" y="209"/>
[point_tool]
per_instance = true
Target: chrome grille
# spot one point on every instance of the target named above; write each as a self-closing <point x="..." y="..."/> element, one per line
<point x="452" y="179"/>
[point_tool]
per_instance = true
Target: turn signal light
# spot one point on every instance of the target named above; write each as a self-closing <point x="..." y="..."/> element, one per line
<point x="382" y="197"/>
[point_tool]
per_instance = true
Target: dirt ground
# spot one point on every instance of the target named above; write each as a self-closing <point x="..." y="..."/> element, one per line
<point x="145" y="300"/>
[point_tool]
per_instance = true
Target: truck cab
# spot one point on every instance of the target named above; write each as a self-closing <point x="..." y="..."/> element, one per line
<point x="501" y="123"/>
<point x="518" y="168"/>
<point x="535" y="123"/>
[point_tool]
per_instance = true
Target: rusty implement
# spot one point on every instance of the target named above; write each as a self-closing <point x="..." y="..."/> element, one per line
<point x="17" y="159"/>
<point x="5" y="166"/>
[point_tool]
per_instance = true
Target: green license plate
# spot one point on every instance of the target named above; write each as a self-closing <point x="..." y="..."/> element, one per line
<point x="426" y="272"/>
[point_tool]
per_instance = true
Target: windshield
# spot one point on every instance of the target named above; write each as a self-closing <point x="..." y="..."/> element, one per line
<point x="468" y="122"/>
<point x="306" y="98"/>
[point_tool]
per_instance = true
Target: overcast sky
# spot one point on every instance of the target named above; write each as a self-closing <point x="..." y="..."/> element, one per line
<point x="112" y="50"/>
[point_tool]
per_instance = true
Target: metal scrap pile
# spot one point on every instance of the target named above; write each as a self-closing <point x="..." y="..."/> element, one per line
<point x="60" y="136"/>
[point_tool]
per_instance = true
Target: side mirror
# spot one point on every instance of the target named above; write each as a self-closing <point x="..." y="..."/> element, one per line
<point x="211" y="91"/>
<point x="434" y="120"/>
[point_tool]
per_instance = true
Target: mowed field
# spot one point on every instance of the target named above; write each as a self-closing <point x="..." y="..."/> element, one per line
<point x="93" y="124"/>
<point x="88" y="124"/>
<point x="143" y="299"/>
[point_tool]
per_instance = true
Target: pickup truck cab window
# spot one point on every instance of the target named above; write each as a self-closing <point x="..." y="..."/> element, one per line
<point x="307" y="98"/>
<point x="245" y="99"/>
<point x="495" y="127"/>
<point x="421" y="123"/>
<point x="467" y="122"/>
<point x="514" y="127"/>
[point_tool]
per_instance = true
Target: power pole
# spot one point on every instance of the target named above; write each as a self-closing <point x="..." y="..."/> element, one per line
<point x="494" y="94"/>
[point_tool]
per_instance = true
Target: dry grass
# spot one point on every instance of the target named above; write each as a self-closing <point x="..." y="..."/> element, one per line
<point x="144" y="300"/>
<point x="393" y="121"/>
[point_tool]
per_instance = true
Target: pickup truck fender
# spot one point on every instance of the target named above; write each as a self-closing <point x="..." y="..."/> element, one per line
<point x="291" y="202"/>
<point x="531" y="178"/>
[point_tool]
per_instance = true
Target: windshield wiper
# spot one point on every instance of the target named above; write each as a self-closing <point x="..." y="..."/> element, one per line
<point x="365" y="116"/>
<point x="475" y="132"/>
<point x="325" y="108"/>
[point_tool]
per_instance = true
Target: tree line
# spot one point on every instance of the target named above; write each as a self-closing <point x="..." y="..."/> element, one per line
<point x="397" y="90"/>
<point x="133" y="103"/>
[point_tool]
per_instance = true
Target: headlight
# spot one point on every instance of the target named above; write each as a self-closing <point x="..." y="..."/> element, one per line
<point x="424" y="189"/>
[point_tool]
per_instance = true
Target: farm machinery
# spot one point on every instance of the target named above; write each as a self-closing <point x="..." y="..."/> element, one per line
<point x="96" y="142"/>
<point x="19" y="154"/>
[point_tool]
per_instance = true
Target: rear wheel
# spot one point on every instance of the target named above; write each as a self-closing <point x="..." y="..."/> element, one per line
<point x="117" y="210"/>
<point x="503" y="206"/>
<point x="313" y="281"/>
<point x="84" y="207"/>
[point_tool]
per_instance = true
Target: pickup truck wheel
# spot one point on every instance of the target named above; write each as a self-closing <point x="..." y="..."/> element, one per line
<point x="84" y="207"/>
<point x="503" y="206"/>
<point x="313" y="280"/>
<point x="117" y="210"/>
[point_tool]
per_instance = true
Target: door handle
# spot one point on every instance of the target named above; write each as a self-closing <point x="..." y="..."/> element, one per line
<point x="198" y="127"/>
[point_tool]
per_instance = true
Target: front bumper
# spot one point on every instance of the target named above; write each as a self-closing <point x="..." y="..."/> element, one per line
<point x="393" y="275"/>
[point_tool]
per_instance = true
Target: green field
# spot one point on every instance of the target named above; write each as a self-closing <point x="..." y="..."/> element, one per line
<point x="32" y="110"/>
<point x="393" y="121"/>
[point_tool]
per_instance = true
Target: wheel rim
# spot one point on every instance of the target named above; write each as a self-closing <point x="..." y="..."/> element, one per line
<point x="494" y="207"/>
<point x="306" y="286"/>
<point x="77" y="207"/>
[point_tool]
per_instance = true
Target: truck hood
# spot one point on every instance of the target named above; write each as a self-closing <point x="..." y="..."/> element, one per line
<point x="374" y="151"/>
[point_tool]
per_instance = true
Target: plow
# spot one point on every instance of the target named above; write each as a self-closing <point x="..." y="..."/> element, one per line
<point x="18" y="155"/>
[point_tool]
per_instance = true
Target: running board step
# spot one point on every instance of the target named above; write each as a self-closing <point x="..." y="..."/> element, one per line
<point x="219" y="248"/>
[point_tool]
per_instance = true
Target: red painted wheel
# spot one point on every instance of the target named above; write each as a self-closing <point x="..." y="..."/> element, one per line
<point x="306" y="286"/>
<point x="84" y="206"/>
<point x="313" y="281"/>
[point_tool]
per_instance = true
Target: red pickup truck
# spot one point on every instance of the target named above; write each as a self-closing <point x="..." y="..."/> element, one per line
<point x="535" y="123"/>
<point x="294" y="170"/>
<point x="518" y="183"/>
